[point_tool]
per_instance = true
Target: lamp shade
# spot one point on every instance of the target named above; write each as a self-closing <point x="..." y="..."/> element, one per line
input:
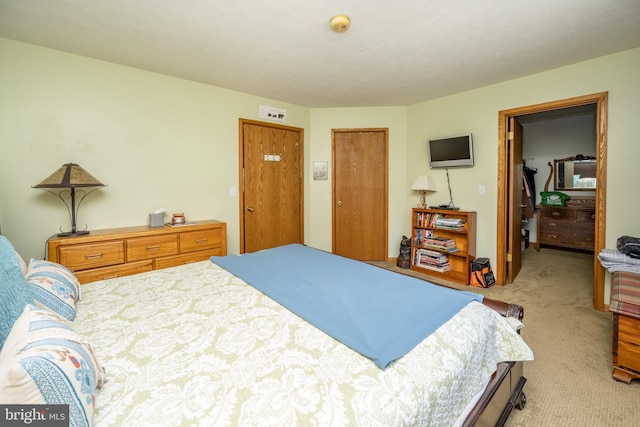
<point x="69" y="175"/>
<point x="424" y="183"/>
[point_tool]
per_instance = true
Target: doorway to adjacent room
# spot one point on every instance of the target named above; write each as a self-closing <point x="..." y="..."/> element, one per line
<point x="510" y="166"/>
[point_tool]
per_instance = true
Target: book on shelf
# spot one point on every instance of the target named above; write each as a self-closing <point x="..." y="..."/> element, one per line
<point x="431" y="259"/>
<point x="437" y="220"/>
<point x="426" y="219"/>
<point x="456" y="224"/>
<point x="440" y="243"/>
<point x="421" y="235"/>
<point x="442" y="269"/>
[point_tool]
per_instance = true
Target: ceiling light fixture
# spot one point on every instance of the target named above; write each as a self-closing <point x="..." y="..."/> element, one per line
<point x="340" y="23"/>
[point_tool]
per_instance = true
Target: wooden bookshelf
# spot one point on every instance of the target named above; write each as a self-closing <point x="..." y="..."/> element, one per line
<point x="443" y="243"/>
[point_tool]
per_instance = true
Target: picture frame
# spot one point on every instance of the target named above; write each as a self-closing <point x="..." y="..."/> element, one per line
<point x="320" y="171"/>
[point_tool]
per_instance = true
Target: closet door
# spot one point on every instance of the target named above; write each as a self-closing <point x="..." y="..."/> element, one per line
<point x="514" y="250"/>
<point x="360" y="186"/>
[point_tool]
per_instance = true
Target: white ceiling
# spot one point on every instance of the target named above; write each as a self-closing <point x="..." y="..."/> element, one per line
<point x="397" y="52"/>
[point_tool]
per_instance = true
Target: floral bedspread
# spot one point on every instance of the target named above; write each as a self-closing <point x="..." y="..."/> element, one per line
<point x="195" y="345"/>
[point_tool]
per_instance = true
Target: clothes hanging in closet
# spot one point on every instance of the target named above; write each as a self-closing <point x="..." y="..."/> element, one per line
<point x="529" y="186"/>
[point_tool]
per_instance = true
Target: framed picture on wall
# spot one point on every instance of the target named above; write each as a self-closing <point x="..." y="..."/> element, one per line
<point x="320" y="171"/>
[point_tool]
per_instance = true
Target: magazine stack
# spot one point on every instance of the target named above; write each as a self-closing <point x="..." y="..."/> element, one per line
<point x="432" y="260"/>
<point x="455" y="224"/>
<point x="443" y="244"/>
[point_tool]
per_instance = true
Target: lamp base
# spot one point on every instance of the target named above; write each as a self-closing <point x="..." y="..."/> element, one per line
<point x="73" y="233"/>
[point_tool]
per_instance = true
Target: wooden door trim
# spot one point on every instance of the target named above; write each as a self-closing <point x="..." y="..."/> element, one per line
<point x="241" y="123"/>
<point x="601" y="100"/>
<point x="386" y="183"/>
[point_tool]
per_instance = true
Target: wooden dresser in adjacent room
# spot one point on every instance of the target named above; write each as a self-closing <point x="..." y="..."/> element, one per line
<point x="115" y="252"/>
<point x="572" y="226"/>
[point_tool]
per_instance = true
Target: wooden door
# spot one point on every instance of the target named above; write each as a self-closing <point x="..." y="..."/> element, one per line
<point x="514" y="248"/>
<point x="360" y="185"/>
<point x="271" y="202"/>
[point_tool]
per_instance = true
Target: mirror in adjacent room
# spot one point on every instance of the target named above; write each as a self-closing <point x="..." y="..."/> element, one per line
<point x="575" y="173"/>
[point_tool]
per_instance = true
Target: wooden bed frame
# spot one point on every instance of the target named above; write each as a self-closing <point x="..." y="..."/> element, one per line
<point x="505" y="389"/>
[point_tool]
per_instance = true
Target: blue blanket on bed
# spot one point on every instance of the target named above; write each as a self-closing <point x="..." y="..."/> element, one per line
<point x="376" y="312"/>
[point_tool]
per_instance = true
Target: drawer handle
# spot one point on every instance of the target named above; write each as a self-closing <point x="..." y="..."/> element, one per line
<point x="553" y="224"/>
<point x="94" y="256"/>
<point x="593" y="216"/>
<point x="554" y="213"/>
<point x="110" y="277"/>
<point x="202" y="241"/>
<point x="553" y="236"/>
<point x="153" y="248"/>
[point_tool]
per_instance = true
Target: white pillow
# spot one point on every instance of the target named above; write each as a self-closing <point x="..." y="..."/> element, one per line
<point x="45" y="362"/>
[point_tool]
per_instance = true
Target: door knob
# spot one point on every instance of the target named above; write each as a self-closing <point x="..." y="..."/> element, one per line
<point x="339" y="203"/>
<point x="250" y="209"/>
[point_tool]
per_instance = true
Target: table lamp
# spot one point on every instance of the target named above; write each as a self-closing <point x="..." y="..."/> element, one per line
<point x="69" y="177"/>
<point x="424" y="184"/>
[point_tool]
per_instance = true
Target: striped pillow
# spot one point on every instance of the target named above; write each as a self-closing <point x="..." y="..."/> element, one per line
<point x="53" y="287"/>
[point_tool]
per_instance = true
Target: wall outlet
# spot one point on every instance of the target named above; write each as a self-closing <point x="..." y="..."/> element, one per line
<point x="481" y="190"/>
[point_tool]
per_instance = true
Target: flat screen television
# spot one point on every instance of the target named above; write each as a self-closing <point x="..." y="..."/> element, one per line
<point x="452" y="152"/>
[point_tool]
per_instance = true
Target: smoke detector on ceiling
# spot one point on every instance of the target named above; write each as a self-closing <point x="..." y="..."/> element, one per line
<point x="340" y="23"/>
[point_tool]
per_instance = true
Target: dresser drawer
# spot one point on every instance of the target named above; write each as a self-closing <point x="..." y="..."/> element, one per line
<point x="114" y="271"/>
<point x="187" y="258"/>
<point x="92" y="255"/>
<point x="567" y="239"/>
<point x="553" y="226"/>
<point x="566" y="227"/>
<point x="201" y="240"/>
<point x="557" y="213"/>
<point x="586" y="216"/>
<point x="628" y="329"/>
<point x="629" y="355"/>
<point x="151" y="247"/>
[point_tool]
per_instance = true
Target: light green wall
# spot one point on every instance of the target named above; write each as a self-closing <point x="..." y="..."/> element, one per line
<point x="159" y="141"/>
<point x="477" y="110"/>
<point x="156" y="141"/>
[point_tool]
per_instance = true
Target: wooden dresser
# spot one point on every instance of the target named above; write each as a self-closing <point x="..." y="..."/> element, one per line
<point x="625" y="305"/>
<point x="115" y="252"/>
<point x="566" y="227"/>
<point x="626" y="347"/>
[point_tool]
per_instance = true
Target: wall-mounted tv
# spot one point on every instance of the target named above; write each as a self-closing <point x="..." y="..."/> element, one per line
<point x="452" y="152"/>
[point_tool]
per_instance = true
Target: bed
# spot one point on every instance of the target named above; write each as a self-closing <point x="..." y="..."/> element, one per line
<point x="198" y="345"/>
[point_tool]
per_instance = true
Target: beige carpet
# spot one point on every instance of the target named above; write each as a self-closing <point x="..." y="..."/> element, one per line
<point x="569" y="383"/>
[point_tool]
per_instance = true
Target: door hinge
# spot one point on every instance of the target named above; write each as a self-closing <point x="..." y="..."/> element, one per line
<point x="510" y="136"/>
<point x="509" y="258"/>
